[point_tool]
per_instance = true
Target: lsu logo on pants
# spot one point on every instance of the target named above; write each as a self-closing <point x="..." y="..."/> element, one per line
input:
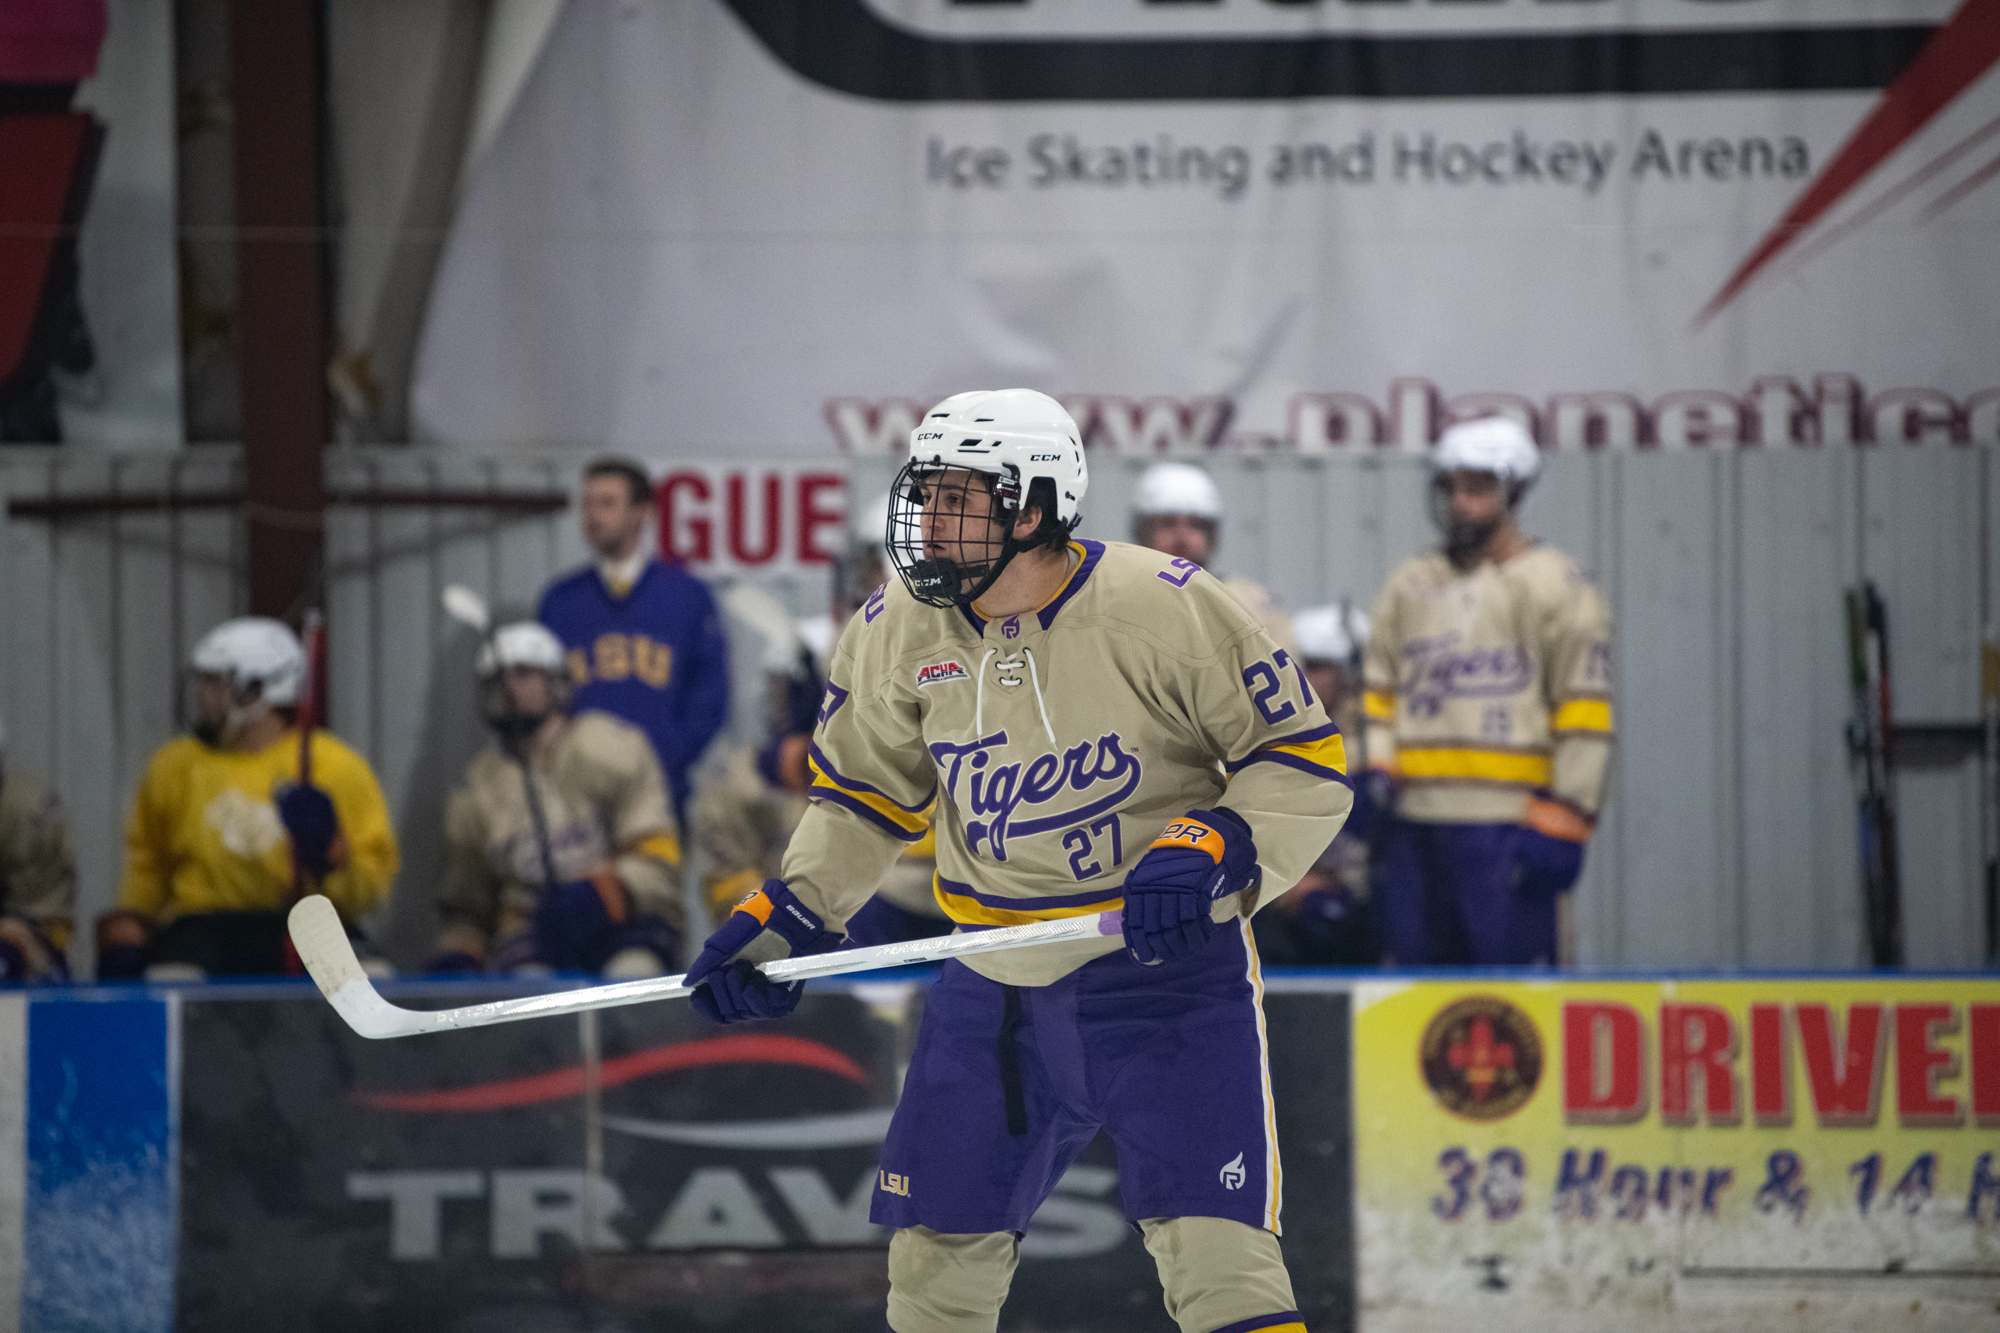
<point x="893" y="1183"/>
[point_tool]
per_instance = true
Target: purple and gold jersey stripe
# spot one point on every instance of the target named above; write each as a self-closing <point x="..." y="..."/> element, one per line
<point x="1092" y="552"/>
<point x="1583" y="715"/>
<point x="969" y="907"/>
<point x="1321" y="752"/>
<point x="1379" y="704"/>
<point x="1459" y="764"/>
<point x="909" y="823"/>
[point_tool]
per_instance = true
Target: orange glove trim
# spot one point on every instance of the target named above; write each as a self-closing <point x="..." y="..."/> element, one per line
<point x="759" y="905"/>
<point x="1192" y="833"/>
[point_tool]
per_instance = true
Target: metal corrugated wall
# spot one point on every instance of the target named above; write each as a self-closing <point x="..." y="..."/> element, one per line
<point x="1729" y="838"/>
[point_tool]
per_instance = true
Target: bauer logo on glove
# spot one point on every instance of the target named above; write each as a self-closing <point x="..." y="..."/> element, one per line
<point x="729" y="989"/>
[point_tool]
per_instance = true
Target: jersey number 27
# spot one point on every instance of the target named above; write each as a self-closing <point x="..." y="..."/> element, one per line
<point x="1264" y="683"/>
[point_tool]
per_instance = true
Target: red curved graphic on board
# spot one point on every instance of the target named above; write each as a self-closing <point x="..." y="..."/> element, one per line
<point x="560" y="1083"/>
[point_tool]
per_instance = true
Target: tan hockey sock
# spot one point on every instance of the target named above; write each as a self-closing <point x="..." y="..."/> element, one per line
<point x="1218" y="1274"/>
<point x="949" y="1284"/>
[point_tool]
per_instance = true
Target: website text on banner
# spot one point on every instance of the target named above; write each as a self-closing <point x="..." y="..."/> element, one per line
<point x="1661" y="222"/>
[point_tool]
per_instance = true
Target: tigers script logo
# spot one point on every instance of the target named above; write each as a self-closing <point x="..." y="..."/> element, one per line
<point x="1435" y="670"/>
<point x="999" y="790"/>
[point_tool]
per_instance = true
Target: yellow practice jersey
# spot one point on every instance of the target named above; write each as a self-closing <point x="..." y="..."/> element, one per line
<point x="1485" y="685"/>
<point x="1056" y="745"/>
<point x="204" y="833"/>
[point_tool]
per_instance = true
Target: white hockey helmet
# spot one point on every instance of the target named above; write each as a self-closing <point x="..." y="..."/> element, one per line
<point x="1027" y="444"/>
<point x="1330" y="633"/>
<point x="1177" y="488"/>
<point x="254" y="651"/>
<point x="1498" y="445"/>
<point x="525" y="643"/>
<point x="1013" y="435"/>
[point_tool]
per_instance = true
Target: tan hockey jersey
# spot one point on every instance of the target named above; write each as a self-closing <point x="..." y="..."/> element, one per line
<point x="604" y="801"/>
<point x="1487" y="684"/>
<point x="1056" y="745"/>
<point x="37" y="870"/>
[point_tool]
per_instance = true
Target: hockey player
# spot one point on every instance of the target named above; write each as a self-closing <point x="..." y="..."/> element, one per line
<point x="1489" y="718"/>
<point x="643" y="639"/>
<point x="576" y="868"/>
<point x="223" y="836"/>
<point x="1178" y="512"/>
<point x="1100" y="728"/>
<point x="37" y="880"/>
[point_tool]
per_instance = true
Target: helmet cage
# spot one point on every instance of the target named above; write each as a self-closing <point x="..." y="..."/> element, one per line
<point x="1461" y="538"/>
<point x="943" y="581"/>
<point x="502" y="710"/>
<point x="246" y="703"/>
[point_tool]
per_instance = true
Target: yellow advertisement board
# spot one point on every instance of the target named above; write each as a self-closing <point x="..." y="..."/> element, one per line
<point x="1811" y="1153"/>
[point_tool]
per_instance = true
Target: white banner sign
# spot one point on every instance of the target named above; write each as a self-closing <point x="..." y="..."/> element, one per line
<point x="783" y="227"/>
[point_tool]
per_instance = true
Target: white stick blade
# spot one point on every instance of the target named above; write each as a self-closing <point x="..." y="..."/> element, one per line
<point x="467" y="607"/>
<point x="321" y="939"/>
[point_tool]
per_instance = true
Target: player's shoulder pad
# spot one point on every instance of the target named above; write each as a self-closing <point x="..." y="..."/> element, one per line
<point x="890" y="625"/>
<point x="1549" y="572"/>
<point x="1154" y="590"/>
<point x="1425" y="571"/>
<point x="177" y="756"/>
<point x="609" y="739"/>
<point x="338" y="758"/>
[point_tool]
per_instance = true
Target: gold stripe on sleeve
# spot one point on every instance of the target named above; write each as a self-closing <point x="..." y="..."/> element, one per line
<point x="1583" y="715"/>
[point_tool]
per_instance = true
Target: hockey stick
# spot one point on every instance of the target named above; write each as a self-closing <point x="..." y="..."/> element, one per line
<point x="312" y="708"/>
<point x="468" y="608"/>
<point x="323" y="945"/>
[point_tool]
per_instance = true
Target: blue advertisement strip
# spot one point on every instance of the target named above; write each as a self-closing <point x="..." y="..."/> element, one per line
<point x="99" y="1218"/>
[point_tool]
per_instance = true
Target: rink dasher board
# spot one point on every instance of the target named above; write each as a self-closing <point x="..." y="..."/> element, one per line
<point x="163" y="1096"/>
<point x="543" y="1170"/>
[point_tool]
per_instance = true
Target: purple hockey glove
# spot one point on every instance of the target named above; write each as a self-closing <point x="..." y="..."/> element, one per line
<point x="731" y="992"/>
<point x="1546" y="866"/>
<point x="577" y="920"/>
<point x="1548" y="852"/>
<point x="1198" y="858"/>
<point x="307" y="814"/>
